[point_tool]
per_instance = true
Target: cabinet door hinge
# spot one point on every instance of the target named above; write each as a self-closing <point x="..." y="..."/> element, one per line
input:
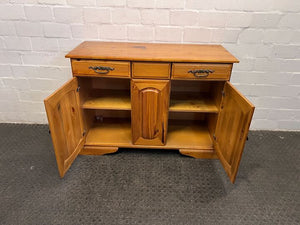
<point x="214" y="137"/>
<point x="78" y="88"/>
<point x="84" y="132"/>
<point x="223" y="93"/>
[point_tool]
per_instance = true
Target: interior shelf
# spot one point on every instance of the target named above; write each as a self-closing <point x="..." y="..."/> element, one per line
<point x="180" y="135"/>
<point x="108" y="99"/>
<point x="185" y="103"/>
<point x="110" y="133"/>
<point x="193" y="134"/>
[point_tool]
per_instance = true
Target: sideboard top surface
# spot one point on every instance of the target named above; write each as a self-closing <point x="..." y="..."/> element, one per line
<point x="152" y="52"/>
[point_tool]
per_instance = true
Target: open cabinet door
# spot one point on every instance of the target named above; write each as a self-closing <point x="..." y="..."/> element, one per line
<point x="232" y="129"/>
<point x="66" y="124"/>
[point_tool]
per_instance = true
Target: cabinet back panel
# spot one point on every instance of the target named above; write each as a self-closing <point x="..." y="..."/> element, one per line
<point x="111" y="83"/>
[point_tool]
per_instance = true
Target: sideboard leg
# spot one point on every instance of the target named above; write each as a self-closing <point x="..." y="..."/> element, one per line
<point x="199" y="154"/>
<point x="98" y="150"/>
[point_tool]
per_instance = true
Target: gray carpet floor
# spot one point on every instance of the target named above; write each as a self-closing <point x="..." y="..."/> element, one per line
<point x="147" y="186"/>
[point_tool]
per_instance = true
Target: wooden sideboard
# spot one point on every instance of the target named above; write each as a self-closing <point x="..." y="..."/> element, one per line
<point x="138" y="95"/>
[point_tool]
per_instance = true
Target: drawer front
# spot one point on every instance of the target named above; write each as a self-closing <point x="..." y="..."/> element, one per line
<point x="150" y="70"/>
<point x="100" y="68"/>
<point x="201" y="71"/>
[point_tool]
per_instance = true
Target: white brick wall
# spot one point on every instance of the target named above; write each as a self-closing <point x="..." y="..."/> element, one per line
<point x="263" y="34"/>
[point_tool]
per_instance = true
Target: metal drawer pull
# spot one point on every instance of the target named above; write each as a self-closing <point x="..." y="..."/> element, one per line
<point x="206" y="72"/>
<point x="101" y="69"/>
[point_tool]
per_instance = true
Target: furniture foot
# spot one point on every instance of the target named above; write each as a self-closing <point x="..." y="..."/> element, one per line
<point x="199" y="154"/>
<point x="98" y="150"/>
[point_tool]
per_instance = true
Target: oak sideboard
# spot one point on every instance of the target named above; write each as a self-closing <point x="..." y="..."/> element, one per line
<point x="149" y="95"/>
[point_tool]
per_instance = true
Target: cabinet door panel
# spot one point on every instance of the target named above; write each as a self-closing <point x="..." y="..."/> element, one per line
<point x="65" y="123"/>
<point x="150" y="103"/>
<point x="232" y="129"/>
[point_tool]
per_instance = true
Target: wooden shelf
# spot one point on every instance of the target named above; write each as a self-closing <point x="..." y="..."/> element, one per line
<point x="180" y="135"/>
<point x="184" y="134"/>
<point x="108" y="99"/>
<point x="192" y="104"/>
<point x="110" y="133"/>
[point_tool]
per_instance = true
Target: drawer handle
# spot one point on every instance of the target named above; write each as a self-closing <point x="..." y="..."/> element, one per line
<point x="101" y="69"/>
<point x="206" y="72"/>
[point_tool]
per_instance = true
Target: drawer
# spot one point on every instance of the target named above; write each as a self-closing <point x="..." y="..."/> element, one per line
<point x="150" y="70"/>
<point x="201" y="71"/>
<point x="100" y="68"/>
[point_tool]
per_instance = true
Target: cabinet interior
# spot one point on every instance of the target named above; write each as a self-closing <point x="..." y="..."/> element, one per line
<point x="193" y="112"/>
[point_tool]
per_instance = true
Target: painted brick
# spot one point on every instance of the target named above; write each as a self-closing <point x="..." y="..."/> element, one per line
<point x="23" y="71"/>
<point x="278" y="102"/>
<point x="212" y="19"/>
<point x="21" y="1"/>
<point x="9" y="57"/>
<point x="12" y="12"/>
<point x="279" y="114"/>
<point x="5" y="71"/>
<point x="225" y="35"/>
<point x="155" y="16"/>
<point x="57" y="30"/>
<point x="183" y="18"/>
<point x="141" y="3"/>
<point x="82" y="2"/>
<point x="254" y="77"/>
<point x="230" y="5"/>
<point x="29" y="29"/>
<point x="33" y="95"/>
<point x="68" y="44"/>
<point x="68" y="15"/>
<point x="113" y="32"/>
<point x="295" y="37"/>
<point x="261" y="124"/>
<point x="264" y="64"/>
<point x="89" y="31"/>
<point x="9" y="95"/>
<point x="94" y="15"/>
<point x="246" y="64"/>
<point x="52" y="2"/>
<point x="7" y="28"/>
<point x="257" y="5"/>
<point x="43" y="84"/>
<point x="126" y="16"/>
<point x="168" y="34"/>
<point x="17" y="43"/>
<point x="113" y="3"/>
<point x="47" y="58"/>
<point x="277" y="36"/>
<point x="265" y="20"/>
<point x="2" y="44"/>
<point x="19" y="84"/>
<point x="199" y="4"/>
<point x="238" y="19"/>
<point x="197" y="35"/>
<point x="38" y="13"/>
<point x="290" y="65"/>
<point x="251" y="36"/>
<point x="57" y="73"/>
<point x="294" y="125"/>
<point x="286" y="6"/>
<point x="290" y="21"/>
<point x="174" y="4"/>
<point x="140" y="33"/>
<point x="296" y="78"/>
<point x="286" y="51"/>
<point x="44" y="44"/>
<point x="261" y="113"/>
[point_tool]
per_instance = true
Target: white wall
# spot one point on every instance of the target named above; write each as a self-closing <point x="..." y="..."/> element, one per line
<point x="264" y="34"/>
